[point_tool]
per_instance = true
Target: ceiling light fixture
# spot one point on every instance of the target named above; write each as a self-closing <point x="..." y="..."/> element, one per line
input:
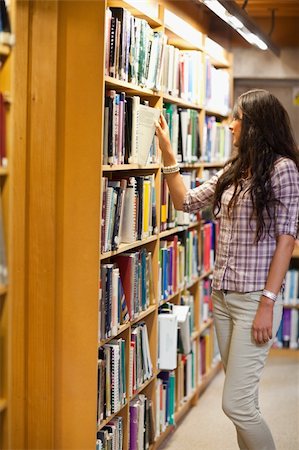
<point x="239" y="20"/>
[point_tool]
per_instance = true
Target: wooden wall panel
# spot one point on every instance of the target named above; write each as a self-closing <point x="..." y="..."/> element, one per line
<point x="17" y="226"/>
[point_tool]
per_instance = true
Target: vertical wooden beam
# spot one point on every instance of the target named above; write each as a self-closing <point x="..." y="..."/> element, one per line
<point x="79" y="139"/>
<point x="17" y="226"/>
<point x="41" y="223"/>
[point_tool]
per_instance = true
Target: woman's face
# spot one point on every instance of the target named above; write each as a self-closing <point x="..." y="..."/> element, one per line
<point x="235" y="127"/>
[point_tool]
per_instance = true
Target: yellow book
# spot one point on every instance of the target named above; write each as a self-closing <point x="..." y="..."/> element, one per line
<point x="146" y="207"/>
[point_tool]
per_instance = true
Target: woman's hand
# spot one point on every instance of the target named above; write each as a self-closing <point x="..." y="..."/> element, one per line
<point x="262" y="324"/>
<point x="162" y="132"/>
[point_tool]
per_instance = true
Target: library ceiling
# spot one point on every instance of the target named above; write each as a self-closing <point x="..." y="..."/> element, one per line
<point x="278" y="18"/>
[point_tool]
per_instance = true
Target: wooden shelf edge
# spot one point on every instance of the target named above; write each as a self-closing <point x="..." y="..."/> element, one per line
<point x="180" y="101"/>
<point x="3" y="404"/>
<point x="118" y="167"/>
<point x="142" y="315"/>
<point x="220" y="114"/>
<point x="291" y="306"/>
<point x="154" y="22"/>
<point x="105" y="421"/>
<point x="285" y="352"/>
<point x="3" y="171"/>
<point x="296" y="250"/>
<point x="125" y="247"/>
<point x="3" y="289"/>
<point x="178" y="229"/>
<point x="143" y="386"/>
<point x="133" y="88"/>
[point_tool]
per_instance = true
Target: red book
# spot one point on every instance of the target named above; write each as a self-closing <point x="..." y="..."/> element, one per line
<point x="207" y="247"/>
<point x="126" y="264"/>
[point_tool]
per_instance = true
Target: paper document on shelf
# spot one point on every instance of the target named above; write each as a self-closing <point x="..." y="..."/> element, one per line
<point x="147" y="116"/>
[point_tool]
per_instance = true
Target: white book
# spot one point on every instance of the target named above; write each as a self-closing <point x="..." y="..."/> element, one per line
<point x="183" y="317"/>
<point x="183" y="218"/>
<point x="128" y="218"/>
<point x="114" y="304"/>
<point x="141" y="430"/>
<point x="145" y="132"/>
<point x="167" y="341"/>
<point x="294" y="329"/>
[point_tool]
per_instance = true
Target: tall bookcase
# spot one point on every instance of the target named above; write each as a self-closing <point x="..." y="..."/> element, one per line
<point x="58" y="141"/>
<point x="174" y="20"/>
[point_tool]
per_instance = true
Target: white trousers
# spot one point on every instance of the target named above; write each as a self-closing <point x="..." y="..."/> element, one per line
<point x="243" y="360"/>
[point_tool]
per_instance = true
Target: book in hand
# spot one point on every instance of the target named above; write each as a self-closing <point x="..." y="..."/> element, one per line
<point x="146" y="118"/>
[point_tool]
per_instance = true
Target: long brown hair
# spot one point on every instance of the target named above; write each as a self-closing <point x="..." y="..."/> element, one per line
<point x="265" y="136"/>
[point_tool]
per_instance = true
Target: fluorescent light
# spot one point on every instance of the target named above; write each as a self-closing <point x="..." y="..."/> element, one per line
<point x="182" y="29"/>
<point x="247" y="30"/>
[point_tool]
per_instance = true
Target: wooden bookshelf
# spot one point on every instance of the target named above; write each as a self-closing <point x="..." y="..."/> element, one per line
<point x="3" y="405"/>
<point x="58" y="146"/>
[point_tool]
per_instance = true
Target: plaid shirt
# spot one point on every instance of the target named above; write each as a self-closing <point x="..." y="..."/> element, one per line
<point x="241" y="264"/>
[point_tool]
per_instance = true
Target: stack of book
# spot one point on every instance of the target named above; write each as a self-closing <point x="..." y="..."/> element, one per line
<point x="134" y="52"/>
<point x="217" y="89"/>
<point x="111" y="435"/>
<point x="142" y="426"/>
<point x="182" y="74"/>
<point x="136" y="274"/>
<point x="111" y="378"/>
<point x="141" y="368"/>
<point x="165" y="401"/>
<point x="129" y="128"/>
<point x="217" y="141"/>
<point x="184" y="132"/>
<point x="178" y="263"/>
<point x="128" y="211"/>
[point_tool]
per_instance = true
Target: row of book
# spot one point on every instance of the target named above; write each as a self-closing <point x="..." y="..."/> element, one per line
<point x="170" y="217"/>
<point x="173" y="387"/>
<point x="142" y="425"/>
<point x="288" y="332"/>
<point x="112" y="387"/>
<point x="112" y="384"/>
<point x="126" y="289"/>
<point x="128" y="210"/>
<point x="178" y="263"/>
<point x="129" y="133"/>
<point x="208" y="239"/>
<point x="217" y="142"/>
<point x="137" y="54"/>
<point x="291" y="291"/>
<point x="134" y="51"/>
<point x="184" y="132"/>
<point x="126" y="285"/>
<point x="111" y="436"/>
<point x="182" y="74"/>
<point x="217" y="89"/>
<point x="129" y="128"/>
<point x="205" y="294"/>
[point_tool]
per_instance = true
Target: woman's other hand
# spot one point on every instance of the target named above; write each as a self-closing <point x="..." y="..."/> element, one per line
<point x="262" y="324"/>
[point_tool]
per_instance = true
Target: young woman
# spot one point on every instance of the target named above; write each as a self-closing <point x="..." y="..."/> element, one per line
<point x="256" y="198"/>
